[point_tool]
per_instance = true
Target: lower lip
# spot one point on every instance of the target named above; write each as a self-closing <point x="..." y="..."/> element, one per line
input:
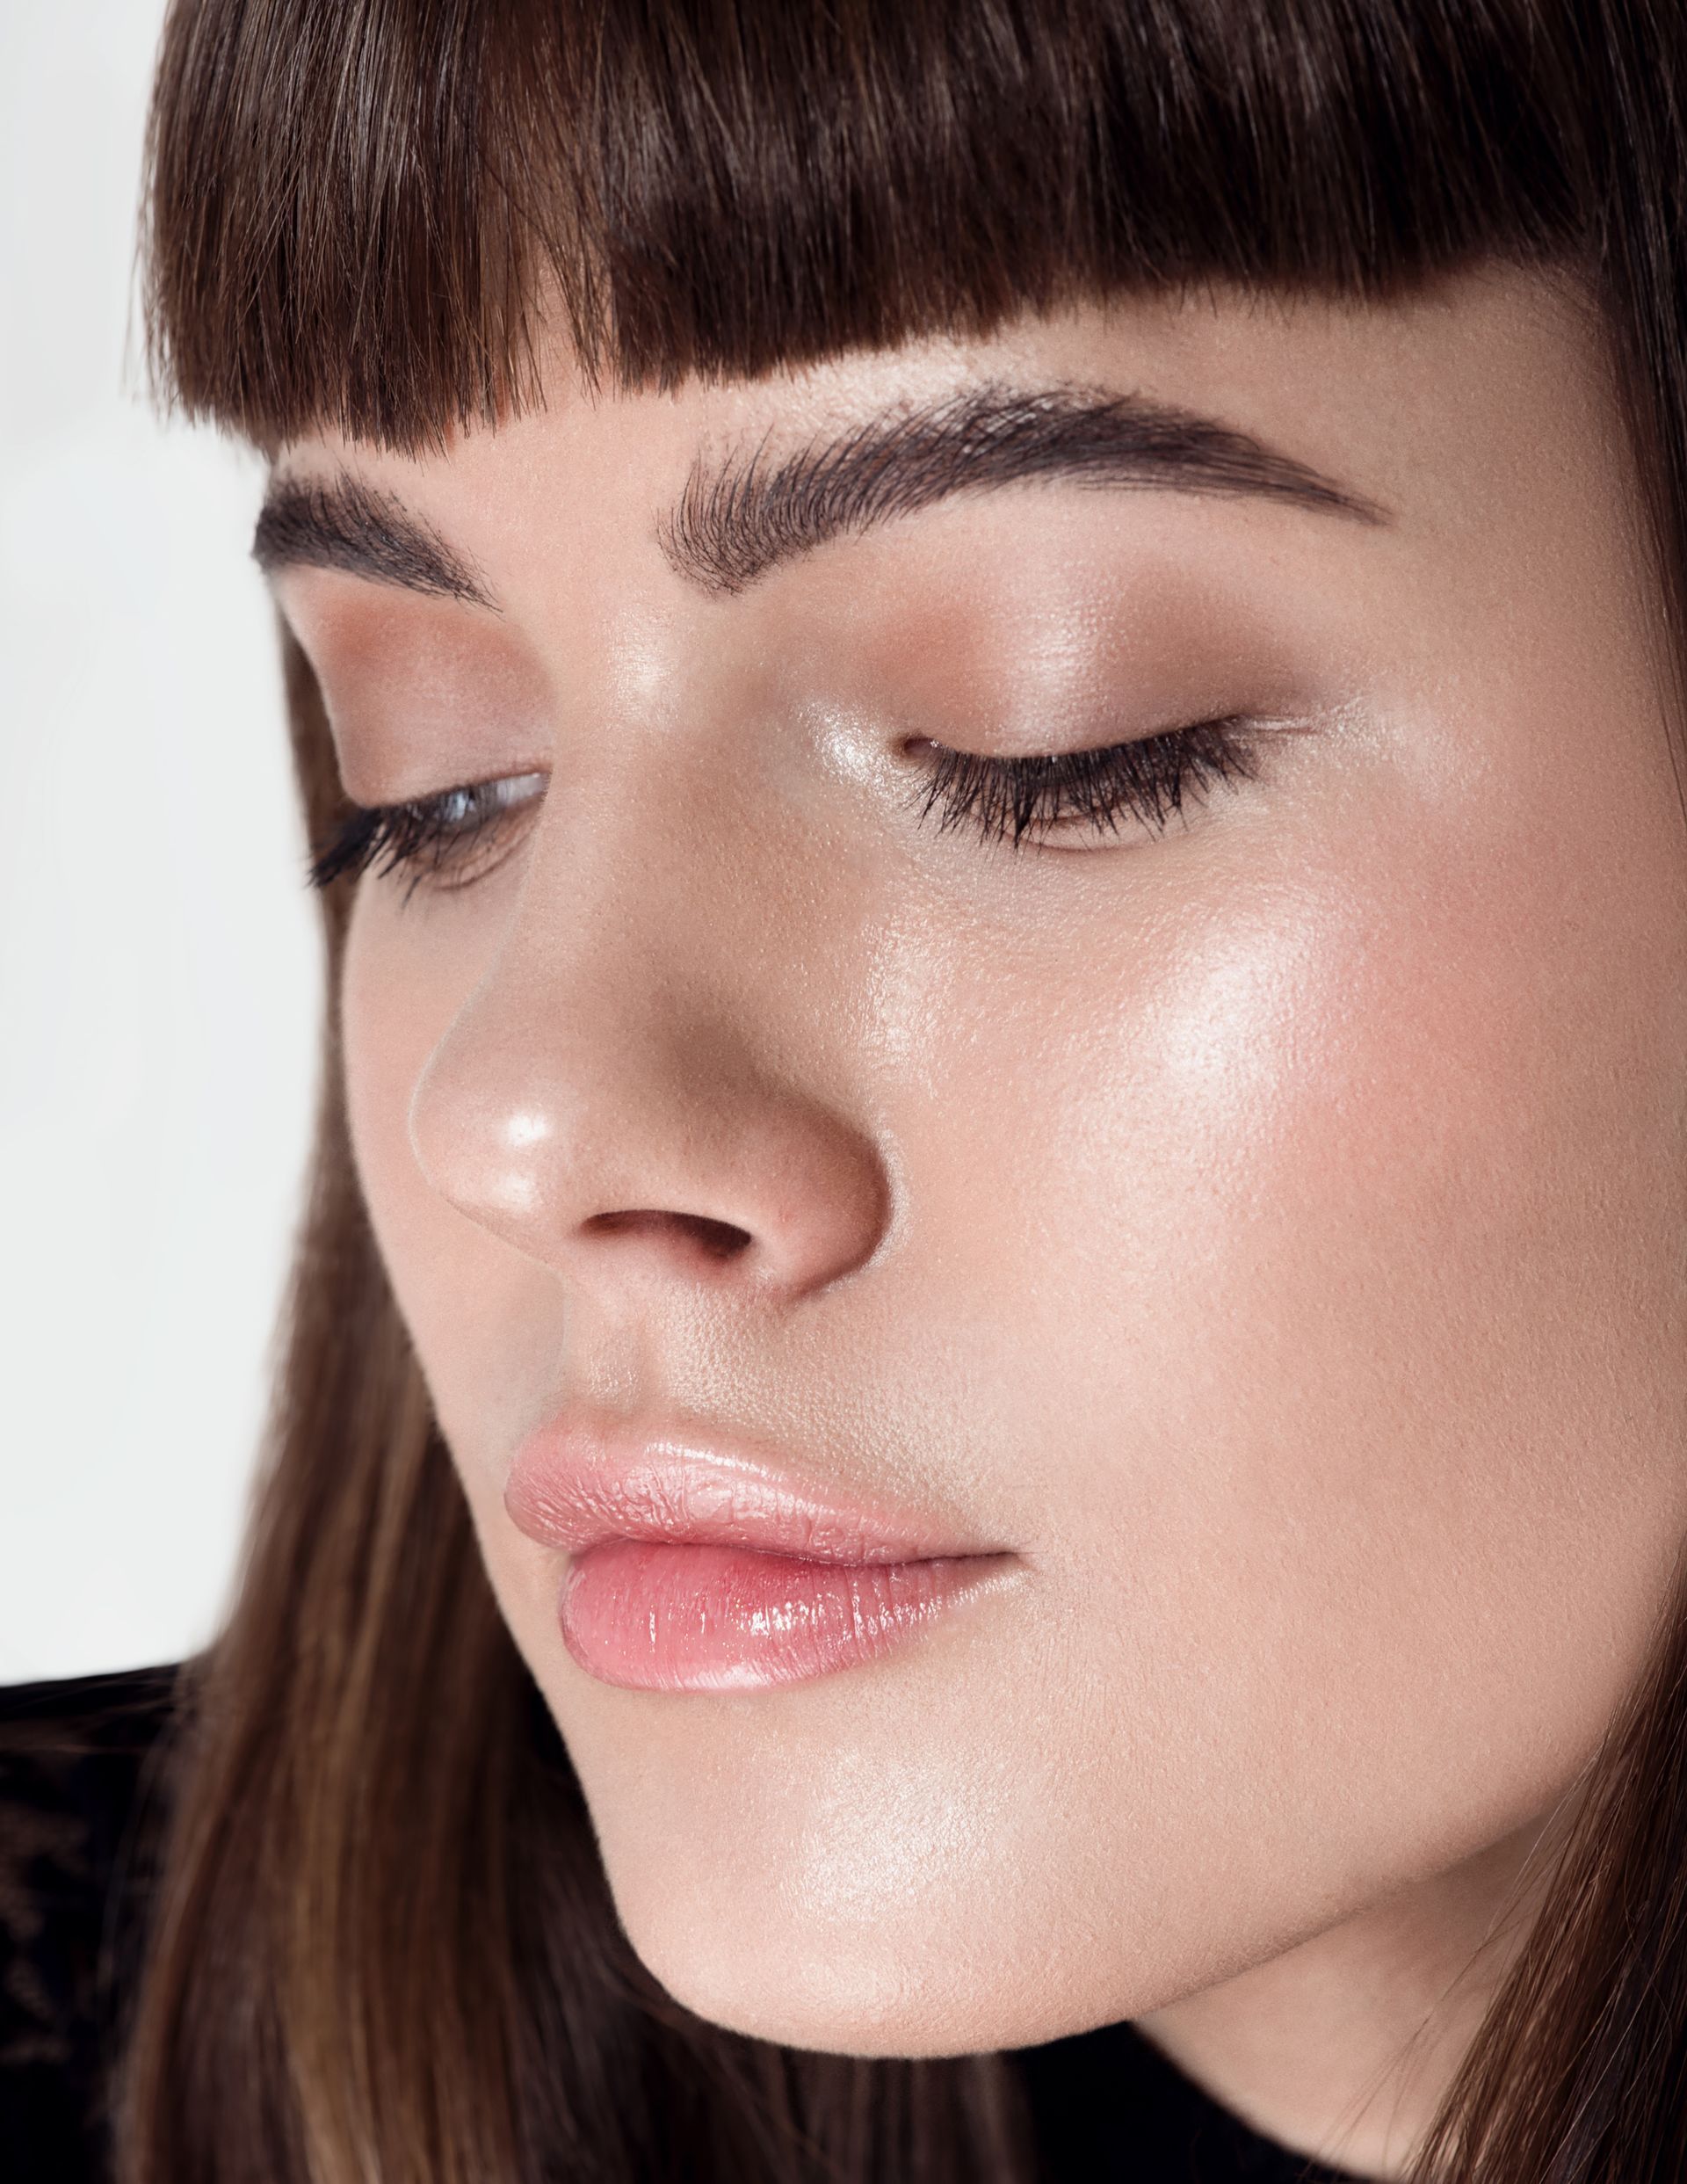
<point x="673" y="1616"/>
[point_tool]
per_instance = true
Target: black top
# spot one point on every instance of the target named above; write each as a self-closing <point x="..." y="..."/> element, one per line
<point x="79" y="1798"/>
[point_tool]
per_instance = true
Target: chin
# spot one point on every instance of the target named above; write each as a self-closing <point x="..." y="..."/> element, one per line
<point x="889" y="2001"/>
<point x="910" y="1985"/>
<point x="875" y="2005"/>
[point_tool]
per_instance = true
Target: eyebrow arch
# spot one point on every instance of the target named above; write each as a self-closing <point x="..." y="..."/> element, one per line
<point x="735" y="521"/>
<point x="342" y="524"/>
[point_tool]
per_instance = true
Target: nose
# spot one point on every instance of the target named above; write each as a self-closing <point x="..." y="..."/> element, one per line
<point x="629" y="1095"/>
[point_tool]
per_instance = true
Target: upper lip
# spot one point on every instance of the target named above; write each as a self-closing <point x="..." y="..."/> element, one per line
<point x="578" y="1481"/>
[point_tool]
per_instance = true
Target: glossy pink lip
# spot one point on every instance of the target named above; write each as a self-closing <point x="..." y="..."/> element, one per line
<point x="695" y="1566"/>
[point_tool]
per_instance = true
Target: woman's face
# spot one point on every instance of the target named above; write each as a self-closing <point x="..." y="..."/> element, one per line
<point x="1052" y="1417"/>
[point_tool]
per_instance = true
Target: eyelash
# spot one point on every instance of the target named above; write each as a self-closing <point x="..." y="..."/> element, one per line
<point x="423" y="836"/>
<point x="1147" y="781"/>
<point x="1006" y="799"/>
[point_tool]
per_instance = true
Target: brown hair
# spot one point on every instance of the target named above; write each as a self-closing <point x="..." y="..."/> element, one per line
<point x="383" y="1947"/>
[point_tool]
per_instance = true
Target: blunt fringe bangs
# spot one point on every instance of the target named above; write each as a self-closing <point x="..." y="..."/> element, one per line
<point x="369" y="213"/>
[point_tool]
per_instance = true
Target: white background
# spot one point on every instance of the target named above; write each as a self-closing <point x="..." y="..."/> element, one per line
<point x="159" y="972"/>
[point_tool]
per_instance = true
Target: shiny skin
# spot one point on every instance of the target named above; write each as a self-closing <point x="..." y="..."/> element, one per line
<point x="1269" y="1230"/>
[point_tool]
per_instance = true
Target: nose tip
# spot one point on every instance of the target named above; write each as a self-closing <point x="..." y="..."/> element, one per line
<point x="621" y="1167"/>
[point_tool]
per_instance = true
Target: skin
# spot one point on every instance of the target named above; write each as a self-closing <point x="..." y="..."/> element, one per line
<point x="1269" y="1230"/>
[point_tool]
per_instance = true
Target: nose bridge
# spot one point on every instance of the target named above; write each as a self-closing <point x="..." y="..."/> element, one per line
<point x="646" y="1075"/>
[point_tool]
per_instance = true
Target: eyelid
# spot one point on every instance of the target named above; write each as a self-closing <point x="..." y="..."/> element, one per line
<point x="386" y="838"/>
<point x="1033" y="795"/>
<point x="1036" y="796"/>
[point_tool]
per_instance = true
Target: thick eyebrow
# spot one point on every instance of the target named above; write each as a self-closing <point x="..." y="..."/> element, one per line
<point x="343" y="523"/>
<point x="736" y="520"/>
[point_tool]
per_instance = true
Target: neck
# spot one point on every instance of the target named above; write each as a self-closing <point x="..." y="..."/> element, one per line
<point x="1344" y="2048"/>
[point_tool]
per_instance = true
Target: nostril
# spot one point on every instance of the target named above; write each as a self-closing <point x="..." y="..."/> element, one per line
<point x="720" y="1240"/>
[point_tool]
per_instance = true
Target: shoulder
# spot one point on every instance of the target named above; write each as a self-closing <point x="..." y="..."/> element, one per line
<point x="82" y="1789"/>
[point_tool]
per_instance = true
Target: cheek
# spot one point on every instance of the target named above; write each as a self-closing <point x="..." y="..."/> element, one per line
<point x="1349" y="1269"/>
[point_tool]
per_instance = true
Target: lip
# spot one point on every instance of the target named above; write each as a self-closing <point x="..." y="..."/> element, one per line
<point x="696" y="1564"/>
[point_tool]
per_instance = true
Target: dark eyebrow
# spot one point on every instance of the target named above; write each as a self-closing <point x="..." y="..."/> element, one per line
<point x="735" y="521"/>
<point x="342" y="524"/>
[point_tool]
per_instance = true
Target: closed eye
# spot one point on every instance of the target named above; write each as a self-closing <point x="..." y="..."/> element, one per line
<point x="1147" y="781"/>
<point x="445" y="841"/>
